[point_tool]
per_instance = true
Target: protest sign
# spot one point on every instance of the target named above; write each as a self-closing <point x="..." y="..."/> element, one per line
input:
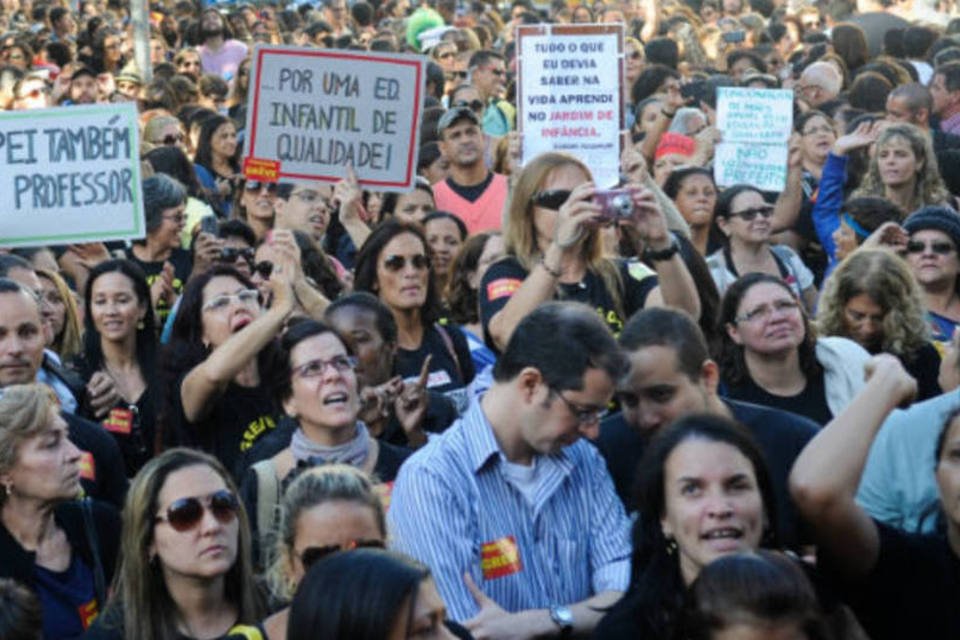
<point x="70" y="174"/>
<point x="314" y="112"/>
<point x="570" y="94"/>
<point x="755" y="125"/>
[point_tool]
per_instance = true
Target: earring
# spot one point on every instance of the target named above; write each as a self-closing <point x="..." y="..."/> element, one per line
<point x="671" y="545"/>
<point x="140" y="325"/>
<point x="8" y="488"/>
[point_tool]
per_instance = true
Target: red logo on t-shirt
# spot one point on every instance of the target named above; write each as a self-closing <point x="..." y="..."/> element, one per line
<point x="503" y="288"/>
<point x="88" y="468"/>
<point x="88" y="613"/>
<point x="500" y="558"/>
<point x="119" y="421"/>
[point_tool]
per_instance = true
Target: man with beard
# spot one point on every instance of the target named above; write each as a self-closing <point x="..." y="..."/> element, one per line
<point x="220" y="54"/>
<point x="471" y="191"/>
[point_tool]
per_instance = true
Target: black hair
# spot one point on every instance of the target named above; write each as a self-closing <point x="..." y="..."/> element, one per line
<point x="446" y="215"/>
<point x="801" y="121"/>
<point x="363" y="591"/>
<point x="390" y="200"/>
<point x="365" y="278"/>
<point x="755" y="60"/>
<point x="296" y="332"/>
<point x="650" y="80"/>
<point x="870" y="212"/>
<point x="317" y="266"/>
<point x="21" y="617"/>
<point x="172" y="161"/>
<point x="663" y="51"/>
<point x="236" y="229"/>
<point x="461" y="296"/>
<point x="676" y="330"/>
<point x="588" y="344"/>
<point x="204" y="153"/>
<point x="383" y="318"/>
<point x="917" y="40"/>
<point x="869" y="91"/>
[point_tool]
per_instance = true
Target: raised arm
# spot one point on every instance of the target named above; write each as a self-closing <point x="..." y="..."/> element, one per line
<point x="825" y="477"/>
<point x="788" y="204"/>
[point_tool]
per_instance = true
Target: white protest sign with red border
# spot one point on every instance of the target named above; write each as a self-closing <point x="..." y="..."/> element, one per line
<point x="570" y="94"/>
<point x="312" y="113"/>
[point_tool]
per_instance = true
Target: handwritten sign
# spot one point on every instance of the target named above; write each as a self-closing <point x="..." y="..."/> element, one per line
<point x="570" y="94"/>
<point x="70" y="174"/>
<point x="755" y="125"/>
<point x="314" y="112"/>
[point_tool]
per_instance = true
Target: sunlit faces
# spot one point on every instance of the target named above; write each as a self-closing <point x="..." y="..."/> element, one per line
<point x="167" y="235"/>
<point x="259" y="202"/>
<point x="114" y="307"/>
<point x="696" y="200"/>
<point x="656" y="392"/>
<point x="931" y="268"/>
<point x="665" y="164"/>
<point x="374" y="356"/>
<point x="47" y="464"/>
<point x="404" y="288"/>
<point x="561" y="417"/>
<point x="942" y="97"/>
<point x="898" y="110"/>
<point x="223" y="142"/>
<point x="83" y="89"/>
<point x="769" y="320"/>
<point x="462" y="143"/>
<point x="207" y="550"/>
<point x="22" y="338"/>
<point x="189" y="64"/>
<point x="490" y="78"/>
<point x="437" y="171"/>
<point x="443" y="237"/>
<point x="736" y="227"/>
<point x="56" y="305"/>
<point x="565" y="177"/>
<point x="240" y="262"/>
<point x="816" y="138"/>
<point x="220" y="321"/>
<point x="308" y="209"/>
<point x="332" y="523"/>
<point x="414" y="206"/>
<point x="863" y="321"/>
<point x="897" y="163"/>
<point x="634" y="61"/>
<point x="712" y="503"/>
<point x="323" y="392"/>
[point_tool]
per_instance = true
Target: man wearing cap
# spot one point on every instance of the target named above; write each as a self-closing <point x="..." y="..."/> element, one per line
<point x="129" y="82"/>
<point x="471" y="191"/>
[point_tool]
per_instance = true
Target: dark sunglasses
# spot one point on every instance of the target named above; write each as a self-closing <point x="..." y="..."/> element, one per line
<point x="397" y="263"/>
<point x="230" y="254"/>
<point x="312" y="555"/>
<point x="186" y="513"/>
<point x="254" y="185"/>
<point x="171" y="139"/>
<point x="939" y="248"/>
<point x="635" y="55"/>
<point x="551" y="198"/>
<point x="750" y="214"/>
<point x="456" y="75"/>
<point x="473" y="105"/>
<point x="264" y="269"/>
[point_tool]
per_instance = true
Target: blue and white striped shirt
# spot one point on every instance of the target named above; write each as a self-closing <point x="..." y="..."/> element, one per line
<point x="454" y="509"/>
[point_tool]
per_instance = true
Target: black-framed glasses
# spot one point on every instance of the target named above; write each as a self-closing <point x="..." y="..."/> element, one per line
<point x="171" y="139"/>
<point x="397" y="262"/>
<point x="316" y="368"/>
<point x="473" y="105"/>
<point x="263" y="268"/>
<point x="186" y="513"/>
<point x="749" y="214"/>
<point x="585" y="416"/>
<point x="311" y="555"/>
<point x="551" y="198"/>
<point x="941" y="248"/>
<point x="456" y="75"/>
<point x="255" y="185"/>
<point x="230" y="254"/>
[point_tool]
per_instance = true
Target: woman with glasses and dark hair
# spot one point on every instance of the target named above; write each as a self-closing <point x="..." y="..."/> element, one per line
<point x="185" y="569"/>
<point x="743" y="217"/>
<point x="394" y="264"/>
<point x="61" y="548"/>
<point x="171" y="160"/>
<point x="554" y="251"/>
<point x="326" y="509"/>
<point x="120" y="343"/>
<point x="771" y="356"/>
<point x="220" y="353"/>
<point x="316" y="384"/>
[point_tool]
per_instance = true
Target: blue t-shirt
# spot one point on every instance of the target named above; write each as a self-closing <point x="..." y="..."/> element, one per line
<point x="68" y="599"/>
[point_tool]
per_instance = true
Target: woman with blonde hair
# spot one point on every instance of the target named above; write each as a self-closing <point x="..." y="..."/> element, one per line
<point x="161" y="130"/>
<point x="185" y="570"/>
<point x="66" y="338"/>
<point x="554" y="250"/>
<point x="873" y="299"/>
<point x="327" y="509"/>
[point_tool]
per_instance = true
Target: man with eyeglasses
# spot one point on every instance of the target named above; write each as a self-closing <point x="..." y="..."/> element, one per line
<point x="672" y="376"/>
<point x="514" y="514"/>
<point x="819" y="83"/>
<point x="488" y="73"/>
<point x="31" y="92"/>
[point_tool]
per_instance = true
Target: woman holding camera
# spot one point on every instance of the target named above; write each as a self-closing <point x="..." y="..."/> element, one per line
<point x="554" y="251"/>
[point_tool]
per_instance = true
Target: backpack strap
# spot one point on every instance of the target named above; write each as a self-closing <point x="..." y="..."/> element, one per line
<point x="448" y="343"/>
<point x="268" y="496"/>
<point x="90" y="527"/>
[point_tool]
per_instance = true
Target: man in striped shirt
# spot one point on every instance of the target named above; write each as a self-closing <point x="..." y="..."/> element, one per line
<point x="516" y="517"/>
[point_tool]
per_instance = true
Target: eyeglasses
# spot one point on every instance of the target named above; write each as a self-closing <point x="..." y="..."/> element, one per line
<point x="749" y="214"/>
<point x="397" y="263"/>
<point x="585" y="416"/>
<point x="186" y="513"/>
<point x="940" y="248"/>
<point x="312" y="555"/>
<point x="230" y="254"/>
<point x="176" y="219"/>
<point x="253" y="186"/>
<point x="551" y="198"/>
<point x="456" y="75"/>
<point x="247" y="297"/>
<point x="316" y="368"/>
<point x="815" y="130"/>
<point x="170" y="139"/>
<point x="311" y="198"/>
<point x="473" y="105"/>
<point x="765" y="311"/>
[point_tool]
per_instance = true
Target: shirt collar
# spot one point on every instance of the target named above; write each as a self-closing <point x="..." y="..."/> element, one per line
<point x="482" y="445"/>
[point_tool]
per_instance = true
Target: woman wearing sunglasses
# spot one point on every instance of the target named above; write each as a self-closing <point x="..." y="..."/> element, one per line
<point x="554" y="251"/>
<point x="315" y="279"/>
<point x="214" y="368"/>
<point x="325" y="510"/>
<point x="62" y="549"/>
<point x="394" y="264"/>
<point x="744" y="219"/>
<point x="185" y="569"/>
<point x="254" y="206"/>
<point x="934" y="238"/>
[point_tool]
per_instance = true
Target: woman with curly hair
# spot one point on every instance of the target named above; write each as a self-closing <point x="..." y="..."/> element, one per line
<point x="873" y="299"/>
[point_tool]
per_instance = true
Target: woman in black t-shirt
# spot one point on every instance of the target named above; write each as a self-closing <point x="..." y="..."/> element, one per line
<point x="217" y="361"/>
<point x="394" y="264"/>
<point x="554" y="250"/>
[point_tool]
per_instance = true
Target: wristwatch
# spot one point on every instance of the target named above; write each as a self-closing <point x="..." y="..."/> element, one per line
<point x="563" y="617"/>
<point x="650" y="255"/>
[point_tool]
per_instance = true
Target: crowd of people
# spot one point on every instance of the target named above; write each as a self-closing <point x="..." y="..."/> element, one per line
<point x="487" y="407"/>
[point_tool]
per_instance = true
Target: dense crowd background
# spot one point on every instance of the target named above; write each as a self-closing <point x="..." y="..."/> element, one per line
<point x="493" y="406"/>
